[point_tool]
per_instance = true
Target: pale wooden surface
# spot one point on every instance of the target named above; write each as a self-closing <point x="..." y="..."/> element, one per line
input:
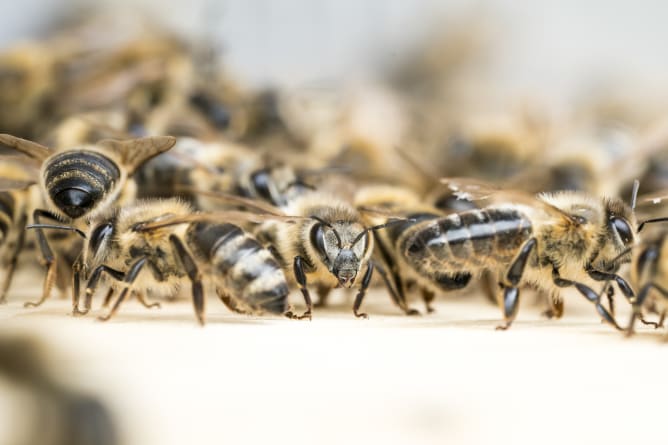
<point x="448" y="377"/>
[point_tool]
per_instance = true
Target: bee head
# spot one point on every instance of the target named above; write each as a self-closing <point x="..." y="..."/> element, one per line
<point x="617" y="236"/>
<point x="340" y="248"/>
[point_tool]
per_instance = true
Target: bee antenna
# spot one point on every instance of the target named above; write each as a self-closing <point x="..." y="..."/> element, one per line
<point x="634" y="194"/>
<point x="650" y="221"/>
<point x="57" y="227"/>
<point x="381" y="226"/>
<point x="326" y="224"/>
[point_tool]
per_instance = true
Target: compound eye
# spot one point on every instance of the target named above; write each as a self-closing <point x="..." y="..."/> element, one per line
<point x="100" y="234"/>
<point x="318" y="239"/>
<point x="623" y="230"/>
<point x="74" y="202"/>
<point x="261" y="182"/>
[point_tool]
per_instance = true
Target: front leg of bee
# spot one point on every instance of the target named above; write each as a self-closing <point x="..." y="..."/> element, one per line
<point x="128" y="279"/>
<point x="638" y="304"/>
<point x="588" y="293"/>
<point x="193" y="273"/>
<point x="300" y="276"/>
<point x="360" y="295"/>
<point x="91" y="287"/>
<point x="511" y="292"/>
<point x="47" y="258"/>
<point x="624" y="286"/>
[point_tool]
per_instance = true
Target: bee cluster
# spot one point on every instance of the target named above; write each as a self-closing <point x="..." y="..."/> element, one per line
<point x="140" y="165"/>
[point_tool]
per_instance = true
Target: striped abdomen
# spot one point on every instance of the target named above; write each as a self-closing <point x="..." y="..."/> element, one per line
<point x="76" y="181"/>
<point x="465" y="242"/>
<point x="242" y="268"/>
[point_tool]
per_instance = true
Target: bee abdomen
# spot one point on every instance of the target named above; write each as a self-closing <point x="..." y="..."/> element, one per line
<point x="469" y="239"/>
<point x="83" y="170"/>
<point x="242" y="266"/>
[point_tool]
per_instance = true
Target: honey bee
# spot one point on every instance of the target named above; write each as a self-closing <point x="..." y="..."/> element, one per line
<point x="219" y="167"/>
<point x="158" y="245"/>
<point x="79" y="183"/>
<point x="329" y="247"/>
<point x="551" y="241"/>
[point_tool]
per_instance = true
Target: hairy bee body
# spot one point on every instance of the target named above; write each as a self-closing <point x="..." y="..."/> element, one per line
<point x="566" y="239"/>
<point x="160" y="260"/>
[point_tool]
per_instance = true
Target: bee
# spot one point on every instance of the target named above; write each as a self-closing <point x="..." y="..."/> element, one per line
<point x="220" y="167"/>
<point x="78" y="184"/>
<point x="551" y="241"/>
<point x="330" y="246"/>
<point x="158" y="245"/>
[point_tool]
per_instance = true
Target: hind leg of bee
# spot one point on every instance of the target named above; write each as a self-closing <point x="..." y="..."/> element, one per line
<point x="300" y="276"/>
<point x="47" y="258"/>
<point x="128" y="279"/>
<point x="360" y="295"/>
<point x="511" y="292"/>
<point x="91" y="287"/>
<point x="193" y="273"/>
<point x="323" y="294"/>
<point x="588" y="293"/>
<point x="107" y="298"/>
<point x="638" y="304"/>
<point x="396" y="291"/>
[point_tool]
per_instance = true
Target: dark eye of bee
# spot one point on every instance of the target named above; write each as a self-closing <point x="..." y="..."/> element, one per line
<point x="260" y="180"/>
<point x="623" y="230"/>
<point x="318" y="239"/>
<point x="99" y="234"/>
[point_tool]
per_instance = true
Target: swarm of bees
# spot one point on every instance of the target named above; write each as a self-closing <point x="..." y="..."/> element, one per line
<point x="133" y="166"/>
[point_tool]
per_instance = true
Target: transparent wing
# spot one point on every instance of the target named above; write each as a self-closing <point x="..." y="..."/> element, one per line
<point x="134" y="152"/>
<point x="30" y="148"/>
<point x="231" y="216"/>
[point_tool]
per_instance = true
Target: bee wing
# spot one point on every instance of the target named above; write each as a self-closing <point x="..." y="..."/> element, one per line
<point x="30" y="148"/>
<point x="7" y="185"/>
<point x="231" y="216"/>
<point x="477" y="190"/>
<point x="134" y="152"/>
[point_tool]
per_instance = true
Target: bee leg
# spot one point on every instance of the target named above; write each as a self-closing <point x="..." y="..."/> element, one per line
<point x="193" y="273"/>
<point x="610" y="294"/>
<point x="47" y="257"/>
<point x="10" y="267"/>
<point x="360" y="295"/>
<point x="91" y="287"/>
<point x="623" y="285"/>
<point x="300" y="276"/>
<point x="229" y="302"/>
<point x="556" y="309"/>
<point x="147" y="304"/>
<point x="107" y="298"/>
<point x="638" y="304"/>
<point x="428" y="298"/>
<point x="588" y="293"/>
<point x="323" y="294"/>
<point x="397" y="291"/>
<point x="511" y="293"/>
<point x="489" y="286"/>
<point x="128" y="279"/>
